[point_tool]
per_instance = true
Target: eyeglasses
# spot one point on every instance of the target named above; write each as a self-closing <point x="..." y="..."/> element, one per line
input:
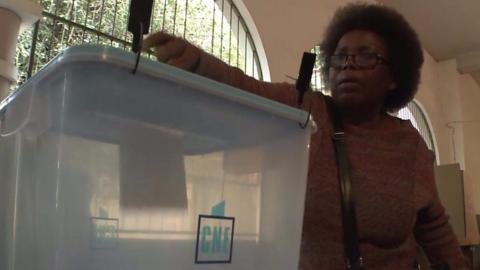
<point x="361" y="60"/>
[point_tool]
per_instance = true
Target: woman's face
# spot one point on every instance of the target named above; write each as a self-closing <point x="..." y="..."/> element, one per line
<point x="361" y="86"/>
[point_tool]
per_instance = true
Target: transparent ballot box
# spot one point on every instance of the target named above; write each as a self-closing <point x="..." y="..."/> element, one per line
<point x="104" y="169"/>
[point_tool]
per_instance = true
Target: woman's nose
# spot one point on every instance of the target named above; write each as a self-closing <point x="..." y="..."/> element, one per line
<point x="349" y="62"/>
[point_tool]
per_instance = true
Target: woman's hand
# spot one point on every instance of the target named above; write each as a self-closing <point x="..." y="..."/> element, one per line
<point x="173" y="50"/>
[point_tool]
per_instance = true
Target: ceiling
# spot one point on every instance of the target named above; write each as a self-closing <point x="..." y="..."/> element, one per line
<point x="447" y="28"/>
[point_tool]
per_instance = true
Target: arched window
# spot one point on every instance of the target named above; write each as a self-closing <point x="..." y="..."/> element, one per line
<point x="214" y="25"/>
<point x="419" y="120"/>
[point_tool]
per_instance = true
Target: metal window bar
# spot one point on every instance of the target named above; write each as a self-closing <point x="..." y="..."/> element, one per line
<point x="86" y="18"/>
<point x="221" y="32"/>
<point x="230" y="37"/>
<point x="72" y="7"/>
<point x="175" y="16"/>
<point x="101" y="19"/>
<point x="72" y="22"/>
<point x="213" y="27"/>
<point x="238" y="43"/>
<point x="114" y="20"/>
<point x="246" y="50"/>
<point x="185" y="21"/>
<point x="31" y="60"/>
<point x="153" y="15"/>
<point x="52" y="37"/>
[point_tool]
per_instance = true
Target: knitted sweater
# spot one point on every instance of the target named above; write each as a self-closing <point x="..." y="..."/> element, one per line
<point x="397" y="204"/>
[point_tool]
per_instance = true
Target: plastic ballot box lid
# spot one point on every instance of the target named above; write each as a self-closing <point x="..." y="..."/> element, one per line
<point x="103" y="168"/>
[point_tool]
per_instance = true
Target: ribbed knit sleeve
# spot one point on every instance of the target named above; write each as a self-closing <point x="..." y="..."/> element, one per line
<point x="432" y="230"/>
<point x="213" y="68"/>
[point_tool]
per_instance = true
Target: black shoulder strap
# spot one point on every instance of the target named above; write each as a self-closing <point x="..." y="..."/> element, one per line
<point x="354" y="259"/>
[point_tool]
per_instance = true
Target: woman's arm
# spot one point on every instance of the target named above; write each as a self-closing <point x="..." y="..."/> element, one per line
<point x="182" y="54"/>
<point x="432" y="230"/>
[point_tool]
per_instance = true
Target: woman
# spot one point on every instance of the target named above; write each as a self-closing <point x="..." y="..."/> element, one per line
<point x="372" y="65"/>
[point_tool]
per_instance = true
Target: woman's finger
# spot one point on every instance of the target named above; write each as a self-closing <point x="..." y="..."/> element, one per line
<point x="171" y="49"/>
<point x="155" y="39"/>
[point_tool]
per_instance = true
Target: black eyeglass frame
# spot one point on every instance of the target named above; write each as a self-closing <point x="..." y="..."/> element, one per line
<point x="379" y="60"/>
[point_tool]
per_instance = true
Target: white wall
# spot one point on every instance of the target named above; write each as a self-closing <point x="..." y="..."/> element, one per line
<point x="452" y="102"/>
<point x="288" y="28"/>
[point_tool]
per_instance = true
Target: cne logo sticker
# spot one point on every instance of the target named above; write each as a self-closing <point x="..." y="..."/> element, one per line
<point x="105" y="231"/>
<point x="215" y="237"/>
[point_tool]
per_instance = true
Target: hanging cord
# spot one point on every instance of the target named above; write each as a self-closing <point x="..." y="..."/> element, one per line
<point x="309" y="117"/>
<point x="303" y="82"/>
<point x="299" y="105"/>
<point x="354" y="259"/>
<point x="139" y="53"/>
<point x="139" y="18"/>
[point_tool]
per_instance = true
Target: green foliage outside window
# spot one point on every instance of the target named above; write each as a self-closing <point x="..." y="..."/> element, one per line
<point x="214" y="25"/>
